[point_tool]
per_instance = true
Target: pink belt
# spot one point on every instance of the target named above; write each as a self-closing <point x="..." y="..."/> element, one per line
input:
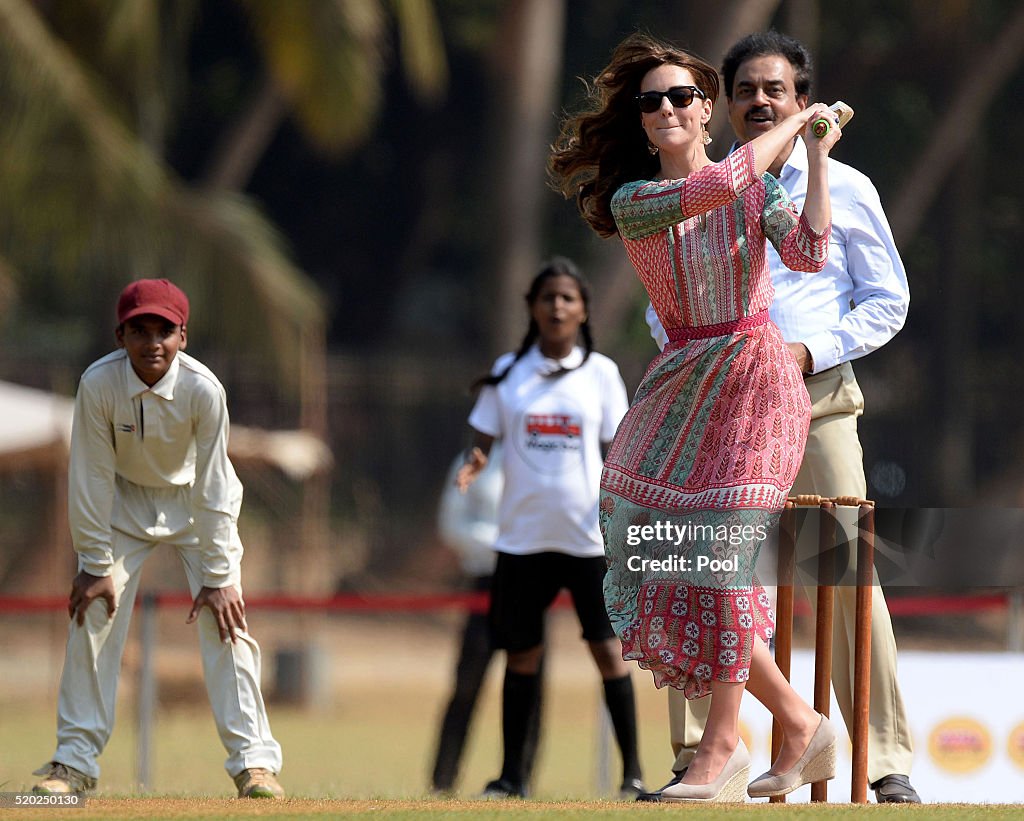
<point x="677" y="336"/>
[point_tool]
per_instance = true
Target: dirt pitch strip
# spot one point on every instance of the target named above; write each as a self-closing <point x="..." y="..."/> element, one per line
<point x="200" y="809"/>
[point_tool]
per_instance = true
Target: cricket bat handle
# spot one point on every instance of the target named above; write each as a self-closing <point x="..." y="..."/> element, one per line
<point x="821" y="126"/>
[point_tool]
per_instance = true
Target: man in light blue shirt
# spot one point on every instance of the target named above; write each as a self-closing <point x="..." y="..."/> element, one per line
<point x="854" y="306"/>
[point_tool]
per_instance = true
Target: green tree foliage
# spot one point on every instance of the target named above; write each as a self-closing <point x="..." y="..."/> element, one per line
<point x="94" y="93"/>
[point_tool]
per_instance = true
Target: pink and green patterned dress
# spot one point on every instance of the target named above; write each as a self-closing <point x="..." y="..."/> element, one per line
<point x="712" y="442"/>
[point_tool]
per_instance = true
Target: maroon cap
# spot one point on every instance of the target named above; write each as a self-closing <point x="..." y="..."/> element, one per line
<point x="153" y="296"/>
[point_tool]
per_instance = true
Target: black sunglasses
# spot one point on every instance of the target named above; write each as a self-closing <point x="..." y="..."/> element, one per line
<point x="679" y="96"/>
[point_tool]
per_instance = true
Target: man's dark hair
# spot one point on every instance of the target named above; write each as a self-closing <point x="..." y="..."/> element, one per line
<point x="763" y="44"/>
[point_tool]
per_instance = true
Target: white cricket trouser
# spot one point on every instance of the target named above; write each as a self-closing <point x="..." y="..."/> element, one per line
<point x="92" y="665"/>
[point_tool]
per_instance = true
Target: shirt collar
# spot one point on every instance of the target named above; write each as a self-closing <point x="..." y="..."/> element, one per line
<point x="545" y="365"/>
<point x="164" y="388"/>
<point x="797" y="159"/>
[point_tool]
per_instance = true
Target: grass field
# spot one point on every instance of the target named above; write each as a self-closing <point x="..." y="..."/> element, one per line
<point x="373" y="737"/>
<point x="366" y="750"/>
<point x="179" y="809"/>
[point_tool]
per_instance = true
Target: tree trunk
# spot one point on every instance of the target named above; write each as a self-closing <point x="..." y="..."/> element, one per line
<point x="957" y="368"/>
<point x="970" y="101"/>
<point x="526" y="79"/>
<point x="242" y="147"/>
<point x="803" y="21"/>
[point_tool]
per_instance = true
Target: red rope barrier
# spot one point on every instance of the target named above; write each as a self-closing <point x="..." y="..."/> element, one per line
<point x="929" y="605"/>
<point x="942" y="605"/>
<point x="353" y="602"/>
<point x="475" y="602"/>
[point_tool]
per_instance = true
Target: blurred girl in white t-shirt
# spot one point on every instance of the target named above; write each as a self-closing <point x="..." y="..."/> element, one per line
<point x="553" y="403"/>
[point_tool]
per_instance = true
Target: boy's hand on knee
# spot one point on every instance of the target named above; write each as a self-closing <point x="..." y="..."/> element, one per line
<point x="227" y="607"/>
<point x="85" y="589"/>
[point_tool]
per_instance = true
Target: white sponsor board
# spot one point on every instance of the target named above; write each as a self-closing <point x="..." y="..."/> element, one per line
<point x="966" y="713"/>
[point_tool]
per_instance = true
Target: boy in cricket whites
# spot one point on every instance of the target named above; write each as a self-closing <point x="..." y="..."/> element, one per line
<point x="149" y="467"/>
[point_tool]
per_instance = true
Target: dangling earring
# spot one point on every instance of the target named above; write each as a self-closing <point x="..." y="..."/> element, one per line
<point x="706" y="139"/>
<point x="652" y="149"/>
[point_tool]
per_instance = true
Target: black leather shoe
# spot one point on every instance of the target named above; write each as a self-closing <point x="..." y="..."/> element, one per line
<point x="895" y="789"/>
<point x="502" y="788"/>
<point x="655" y="797"/>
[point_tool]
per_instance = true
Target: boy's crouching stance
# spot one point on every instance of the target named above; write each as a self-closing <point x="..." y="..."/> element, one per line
<point x="149" y="466"/>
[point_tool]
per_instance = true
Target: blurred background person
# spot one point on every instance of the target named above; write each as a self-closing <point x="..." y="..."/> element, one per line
<point x="554" y="403"/>
<point x="468" y="524"/>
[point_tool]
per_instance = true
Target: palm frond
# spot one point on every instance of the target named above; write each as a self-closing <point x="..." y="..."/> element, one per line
<point x="86" y="204"/>
<point x="421" y="47"/>
<point x="328" y="59"/>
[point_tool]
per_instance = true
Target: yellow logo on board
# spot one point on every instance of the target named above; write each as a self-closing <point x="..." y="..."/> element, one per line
<point x="960" y="745"/>
<point x="1015" y="745"/>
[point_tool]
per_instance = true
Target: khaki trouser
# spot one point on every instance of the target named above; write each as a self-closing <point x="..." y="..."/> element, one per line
<point x="833" y="466"/>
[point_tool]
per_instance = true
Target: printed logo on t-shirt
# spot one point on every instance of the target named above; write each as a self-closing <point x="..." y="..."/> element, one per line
<point x="556" y="424"/>
<point x="549" y="434"/>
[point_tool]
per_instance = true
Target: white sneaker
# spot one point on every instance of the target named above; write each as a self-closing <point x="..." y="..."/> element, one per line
<point x="257" y="782"/>
<point x="60" y="778"/>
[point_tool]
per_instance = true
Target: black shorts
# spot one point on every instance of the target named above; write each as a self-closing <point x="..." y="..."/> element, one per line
<point x="523" y="588"/>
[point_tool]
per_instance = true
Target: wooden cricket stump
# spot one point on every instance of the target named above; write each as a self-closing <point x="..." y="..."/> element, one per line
<point x="823" y="626"/>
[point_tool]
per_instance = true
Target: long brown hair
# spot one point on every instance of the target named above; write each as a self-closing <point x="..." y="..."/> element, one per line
<point x="603" y="147"/>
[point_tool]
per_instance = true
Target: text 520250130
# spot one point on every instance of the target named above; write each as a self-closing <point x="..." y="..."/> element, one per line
<point x="30" y="799"/>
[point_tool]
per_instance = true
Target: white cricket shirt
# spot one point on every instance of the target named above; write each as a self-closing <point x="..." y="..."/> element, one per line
<point x="152" y="462"/>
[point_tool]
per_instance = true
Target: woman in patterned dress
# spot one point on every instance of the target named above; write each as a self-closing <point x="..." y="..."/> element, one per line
<point x="704" y="459"/>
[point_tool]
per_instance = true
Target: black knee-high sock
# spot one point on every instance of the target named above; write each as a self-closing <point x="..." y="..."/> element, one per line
<point x="531" y="747"/>
<point x="618" y="695"/>
<point x="519" y="702"/>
